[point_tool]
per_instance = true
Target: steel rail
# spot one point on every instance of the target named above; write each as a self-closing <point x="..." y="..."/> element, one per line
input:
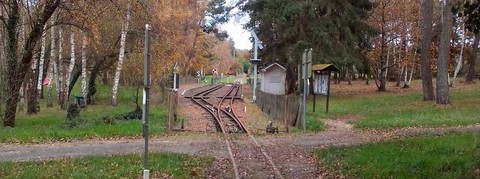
<point x="201" y="102"/>
<point x="231" y="95"/>
<point x="262" y="150"/>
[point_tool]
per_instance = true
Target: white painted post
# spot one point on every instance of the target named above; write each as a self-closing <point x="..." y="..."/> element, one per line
<point x="255" y="61"/>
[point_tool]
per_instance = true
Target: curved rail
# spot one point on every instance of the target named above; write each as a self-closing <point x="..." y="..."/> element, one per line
<point x="231" y="114"/>
<point x="202" y="102"/>
<point x="216" y="111"/>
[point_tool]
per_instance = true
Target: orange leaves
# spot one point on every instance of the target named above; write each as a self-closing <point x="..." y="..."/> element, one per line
<point x="176" y="29"/>
<point x="398" y="21"/>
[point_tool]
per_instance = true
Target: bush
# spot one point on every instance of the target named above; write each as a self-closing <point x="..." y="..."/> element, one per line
<point x="73" y="112"/>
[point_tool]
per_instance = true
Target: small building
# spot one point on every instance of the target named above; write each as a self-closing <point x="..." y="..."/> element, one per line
<point x="273" y="79"/>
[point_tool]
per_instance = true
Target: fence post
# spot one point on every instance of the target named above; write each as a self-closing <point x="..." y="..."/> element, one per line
<point x="172" y="98"/>
<point x="285" y="113"/>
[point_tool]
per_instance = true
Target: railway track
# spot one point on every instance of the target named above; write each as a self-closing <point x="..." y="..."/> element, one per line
<point x="248" y="157"/>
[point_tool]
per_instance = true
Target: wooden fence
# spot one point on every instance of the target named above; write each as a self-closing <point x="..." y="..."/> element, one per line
<point x="280" y="107"/>
<point x="188" y="80"/>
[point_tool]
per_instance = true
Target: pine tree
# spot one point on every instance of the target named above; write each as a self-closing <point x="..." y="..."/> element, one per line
<point x="336" y="30"/>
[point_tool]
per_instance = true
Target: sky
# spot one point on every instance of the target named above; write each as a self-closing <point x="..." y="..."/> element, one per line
<point x="235" y="30"/>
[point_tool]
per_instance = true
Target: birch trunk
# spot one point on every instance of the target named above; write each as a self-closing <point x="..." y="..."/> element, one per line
<point x="70" y="67"/>
<point x="40" y="74"/>
<point x="121" y="56"/>
<point x="459" y="60"/>
<point x="84" y="66"/>
<point x="409" y="81"/>
<point x="388" y="61"/>
<point x="407" y="78"/>
<point x="21" y="103"/>
<point x="52" y="67"/>
<point x="61" y="74"/>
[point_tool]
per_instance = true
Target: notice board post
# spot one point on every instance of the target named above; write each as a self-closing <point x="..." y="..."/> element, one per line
<point x="321" y="81"/>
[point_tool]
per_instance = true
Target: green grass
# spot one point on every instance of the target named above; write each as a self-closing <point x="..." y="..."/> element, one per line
<point x="225" y="79"/>
<point x="451" y="156"/>
<point x="393" y="110"/>
<point x="49" y="124"/>
<point x="161" y="165"/>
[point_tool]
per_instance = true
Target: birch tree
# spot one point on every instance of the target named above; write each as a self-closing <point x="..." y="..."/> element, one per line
<point x="70" y="66"/>
<point x="60" y="72"/>
<point x="459" y="58"/>
<point x="21" y="105"/>
<point x="84" y="66"/>
<point x="52" y="67"/>
<point x="121" y="54"/>
<point x="40" y="74"/>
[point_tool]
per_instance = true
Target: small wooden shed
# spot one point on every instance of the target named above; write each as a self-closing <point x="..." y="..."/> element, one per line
<point x="273" y="79"/>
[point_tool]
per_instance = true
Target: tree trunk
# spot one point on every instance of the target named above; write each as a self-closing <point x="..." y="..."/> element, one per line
<point x="61" y="73"/>
<point x="460" y="57"/>
<point x="21" y="105"/>
<point x="290" y="80"/>
<point x="91" y="84"/>
<point x="17" y="67"/>
<point x="84" y="65"/>
<point x="426" y="71"/>
<point x="52" y="67"/>
<point x="40" y="74"/>
<point x="400" y="69"/>
<point x="473" y="59"/>
<point x="388" y="61"/>
<point x="409" y="81"/>
<point x="383" y="64"/>
<point x="2" y="76"/>
<point x="70" y="67"/>
<point x="444" y="56"/>
<point x="32" y="87"/>
<point x="121" y="56"/>
<point x="382" y="76"/>
<point x="73" y="79"/>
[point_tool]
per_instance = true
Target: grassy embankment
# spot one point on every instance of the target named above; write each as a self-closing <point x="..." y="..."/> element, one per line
<point x="390" y="110"/>
<point x="455" y="155"/>
<point x="451" y="156"/>
<point x="50" y="125"/>
<point x="161" y="165"/>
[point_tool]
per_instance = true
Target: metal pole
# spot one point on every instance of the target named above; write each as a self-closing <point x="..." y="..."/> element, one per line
<point x="146" y="90"/>
<point x="255" y="58"/>
<point x="254" y="99"/>
<point x="255" y="61"/>
<point x="328" y="92"/>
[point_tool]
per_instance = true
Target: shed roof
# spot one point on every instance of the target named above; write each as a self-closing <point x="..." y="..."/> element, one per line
<point x="324" y="67"/>
<point x="273" y="64"/>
